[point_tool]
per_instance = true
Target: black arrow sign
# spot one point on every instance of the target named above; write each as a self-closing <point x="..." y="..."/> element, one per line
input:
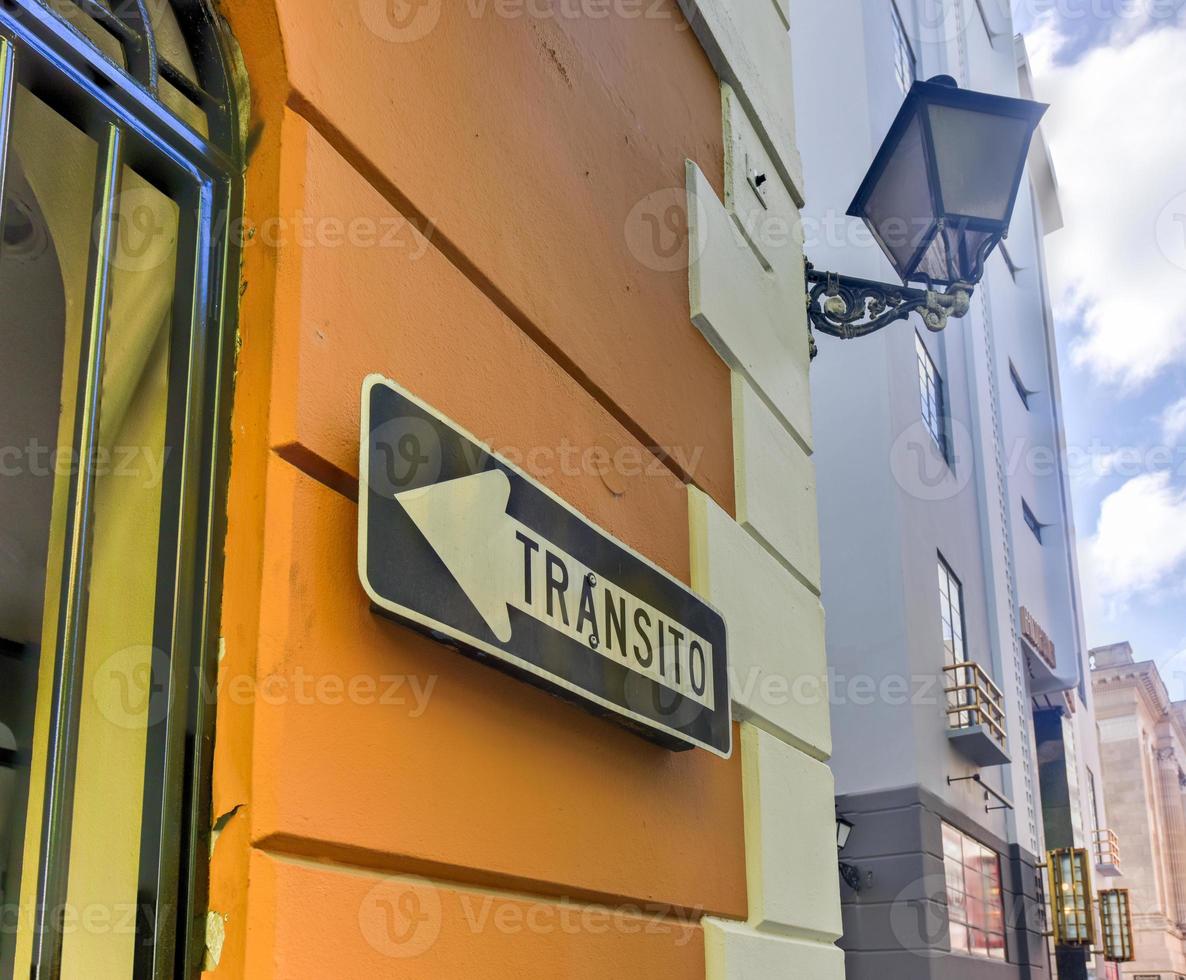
<point x="458" y="542"/>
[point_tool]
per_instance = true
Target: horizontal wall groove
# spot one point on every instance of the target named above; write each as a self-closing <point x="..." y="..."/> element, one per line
<point x="779" y="557"/>
<point x="453" y="253"/>
<point x="780" y="931"/>
<point x="346" y="859"/>
<point x="811" y="751"/>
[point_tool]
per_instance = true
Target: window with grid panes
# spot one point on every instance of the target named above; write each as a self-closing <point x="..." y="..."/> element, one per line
<point x="931" y="399"/>
<point x="975" y="902"/>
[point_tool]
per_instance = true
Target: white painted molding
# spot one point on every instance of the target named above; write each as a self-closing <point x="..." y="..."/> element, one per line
<point x="749" y="45"/>
<point x="737" y="952"/>
<point x="790" y="839"/>
<point x="775" y="483"/>
<point x="756" y="320"/>
<point x="777" y="661"/>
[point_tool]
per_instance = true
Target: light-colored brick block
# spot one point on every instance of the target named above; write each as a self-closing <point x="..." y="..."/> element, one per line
<point x="736" y="952"/>
<point x="750" y="47"/>
<point x="775" y="484"/>
<point x="790" y="838"/>
<point x="767" y="213"/>
<point x="777" y="664"/>
<point x="757" y="321"/>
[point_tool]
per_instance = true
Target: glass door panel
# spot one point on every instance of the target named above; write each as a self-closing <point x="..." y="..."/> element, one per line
<point x="44" y="249"/>
<point x="123" y="696"/>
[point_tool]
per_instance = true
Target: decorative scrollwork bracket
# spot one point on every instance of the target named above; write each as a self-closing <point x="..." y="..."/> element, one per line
<point x="847" y="307"/>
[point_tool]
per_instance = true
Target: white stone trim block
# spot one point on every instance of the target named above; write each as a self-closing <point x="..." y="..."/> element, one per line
<point x="756" y="320"/>
<point x="749" y="45"/>
<point x="767" y="214"/>
<point x="775" y="482"/>
<point x="777" y="664"/>
<point x="736" y="952"/>
<point x="790" y="838"/>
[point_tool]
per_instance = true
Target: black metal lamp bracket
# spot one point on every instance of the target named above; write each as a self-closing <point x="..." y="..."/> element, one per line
<point x="847" y="307"/>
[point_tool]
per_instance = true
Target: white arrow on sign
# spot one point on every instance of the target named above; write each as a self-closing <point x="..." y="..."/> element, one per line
<point x="501" y="563"/>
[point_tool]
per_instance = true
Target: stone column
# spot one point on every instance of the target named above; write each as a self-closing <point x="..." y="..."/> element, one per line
<point x="1174" y="822"/>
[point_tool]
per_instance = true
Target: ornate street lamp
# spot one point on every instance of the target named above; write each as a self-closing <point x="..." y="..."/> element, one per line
<point x="1116" y="918"/>
<point x="1070" y="897"/>
<point x="938" y="199"/>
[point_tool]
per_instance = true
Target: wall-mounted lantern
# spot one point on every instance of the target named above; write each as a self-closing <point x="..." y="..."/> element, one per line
<point x="1070" y="897"/>
<point x="843" y="832"/>
<point x="852" y="875"/>
<point x="938" y="199"/>
<point x="1116" y="919"/>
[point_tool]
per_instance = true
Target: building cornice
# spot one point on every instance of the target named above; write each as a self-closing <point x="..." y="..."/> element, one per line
<point x="1145" y="678"/>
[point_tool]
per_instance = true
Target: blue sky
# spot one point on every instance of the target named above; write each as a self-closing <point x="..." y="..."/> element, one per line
<point x="1115" y="74"/>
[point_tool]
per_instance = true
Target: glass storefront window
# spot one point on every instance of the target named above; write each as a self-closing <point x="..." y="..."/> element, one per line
<point x="975" y="901"/>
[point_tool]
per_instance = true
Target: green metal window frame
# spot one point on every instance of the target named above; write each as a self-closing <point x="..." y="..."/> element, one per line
<point x="45" y="51"/>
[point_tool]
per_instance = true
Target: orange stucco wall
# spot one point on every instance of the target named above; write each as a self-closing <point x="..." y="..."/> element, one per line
<point x="453" y="212"/>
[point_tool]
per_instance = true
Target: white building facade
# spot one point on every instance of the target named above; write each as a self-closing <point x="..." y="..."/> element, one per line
<point x="964" y="738"/>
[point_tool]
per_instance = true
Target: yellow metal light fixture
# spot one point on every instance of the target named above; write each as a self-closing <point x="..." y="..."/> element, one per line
<point x="1116" y="917"/>
<point x="1070" y="897"/>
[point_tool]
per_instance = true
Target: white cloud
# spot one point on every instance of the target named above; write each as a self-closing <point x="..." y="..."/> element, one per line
<point x="1043" y="43"/>
<point x="1140" y="542"/>
<point x="1173" y="422"/>
<point x="1117" y="130"/>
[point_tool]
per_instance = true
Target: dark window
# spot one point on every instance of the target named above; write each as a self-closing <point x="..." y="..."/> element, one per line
<point x="117" y="179"/>
<point x="931" y="396"/>
<point x="1031" y="521"/>
<point x="951" y="611"/>
<point x="905" y="66"/>
<point x="1022" y="391"/>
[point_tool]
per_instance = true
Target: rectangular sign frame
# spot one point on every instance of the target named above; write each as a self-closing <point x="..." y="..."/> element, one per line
<point x="427" y="487"/>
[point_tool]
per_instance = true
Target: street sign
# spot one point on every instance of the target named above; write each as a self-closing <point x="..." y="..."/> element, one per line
<point x="458" y="542"/>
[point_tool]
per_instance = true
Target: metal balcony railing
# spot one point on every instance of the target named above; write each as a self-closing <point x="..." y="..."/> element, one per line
<point x="1107" y="851"/>
<point x="973" y="699"/>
